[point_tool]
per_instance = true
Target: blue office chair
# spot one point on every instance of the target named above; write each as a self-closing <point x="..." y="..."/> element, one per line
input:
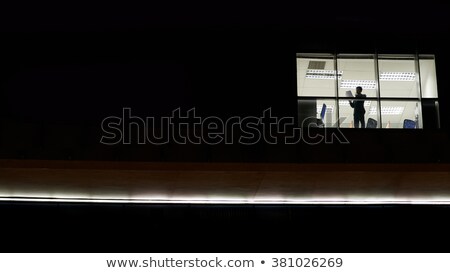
<point x="320" y="122"/>
<point x="371" y="123"/>
<point x="409" y="124"/>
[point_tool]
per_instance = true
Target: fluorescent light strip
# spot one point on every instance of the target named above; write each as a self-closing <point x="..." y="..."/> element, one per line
<point x="231" y="201"/>
<point x="387" y="110"/>
<point x="346" y="103"/>
<point x="322" y="74"/>
<point x="365" y="84"/>
<point x="330" y="108"/>
<point x="397" y="76"/>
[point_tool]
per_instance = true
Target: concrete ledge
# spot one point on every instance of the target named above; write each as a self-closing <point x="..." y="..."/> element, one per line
<point x="223" y="182"/>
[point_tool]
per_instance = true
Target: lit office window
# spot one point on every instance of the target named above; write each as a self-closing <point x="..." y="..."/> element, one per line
<point x="357" y="70"/>
<point x="428" y="76"/>
<point x="401" y="114"/>
<point x="316" y="112"/>
<point x="346" y="119"/>
<point x="317" y="72"/>
<point x="428" y="86"/>
<point x="398" y="76"/>
<point x="398" y="91"/>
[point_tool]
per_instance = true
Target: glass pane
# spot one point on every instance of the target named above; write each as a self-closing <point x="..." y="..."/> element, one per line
<point x="398" y="77"/>
<point x="401" y="114"/>
<point x="428" y="76"/>
<point x="316" y="75"/>
<point x="357" y="70"/>
<point x="317" y="111"/>
<point x="347" y="114"/>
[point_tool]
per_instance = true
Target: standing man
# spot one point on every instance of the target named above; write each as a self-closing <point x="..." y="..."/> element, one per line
<point x="358" y="105"/>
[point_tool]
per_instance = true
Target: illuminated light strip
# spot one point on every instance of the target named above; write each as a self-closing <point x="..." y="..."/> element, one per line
<point x="346" y="103"/>
<point x="388" y="110"/>
<point x="322" y="74"/>
<point x="329" y="108"/>
<point x="225" y="201"/>
<point x="365" y="84"/>
<point x="398" y="76"/>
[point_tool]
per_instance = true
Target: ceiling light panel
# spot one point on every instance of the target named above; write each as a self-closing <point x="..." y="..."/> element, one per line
<point x="388" y="110"/>
<point x="365" y="84"/>
<point x="346" y="103"/>
<point x="398" y="76"/>
<point x="322" y="74"/>
<point x="330" y="108"/>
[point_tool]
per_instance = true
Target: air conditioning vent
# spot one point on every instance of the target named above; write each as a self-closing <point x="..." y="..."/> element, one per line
<point x="316" y="65"/>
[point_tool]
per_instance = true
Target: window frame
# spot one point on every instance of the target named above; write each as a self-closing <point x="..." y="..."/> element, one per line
<point x="379" y="98"/>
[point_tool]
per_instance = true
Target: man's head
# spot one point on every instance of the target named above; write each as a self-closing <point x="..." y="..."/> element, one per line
<point x="358" y="90"/>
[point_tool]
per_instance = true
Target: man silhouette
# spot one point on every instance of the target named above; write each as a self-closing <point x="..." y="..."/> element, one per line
<point x="358" y="105"/>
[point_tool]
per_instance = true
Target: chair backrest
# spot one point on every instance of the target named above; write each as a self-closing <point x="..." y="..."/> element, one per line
<point x="322" y="112"/>
<point x="409" y="124"/>
<point x="371" y="123"/>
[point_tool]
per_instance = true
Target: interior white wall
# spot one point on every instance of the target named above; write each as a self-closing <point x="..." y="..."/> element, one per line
<point x="428" y="78"/>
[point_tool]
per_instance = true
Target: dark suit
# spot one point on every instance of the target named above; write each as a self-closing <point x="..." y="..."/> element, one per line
<point x="358" y="113"/>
